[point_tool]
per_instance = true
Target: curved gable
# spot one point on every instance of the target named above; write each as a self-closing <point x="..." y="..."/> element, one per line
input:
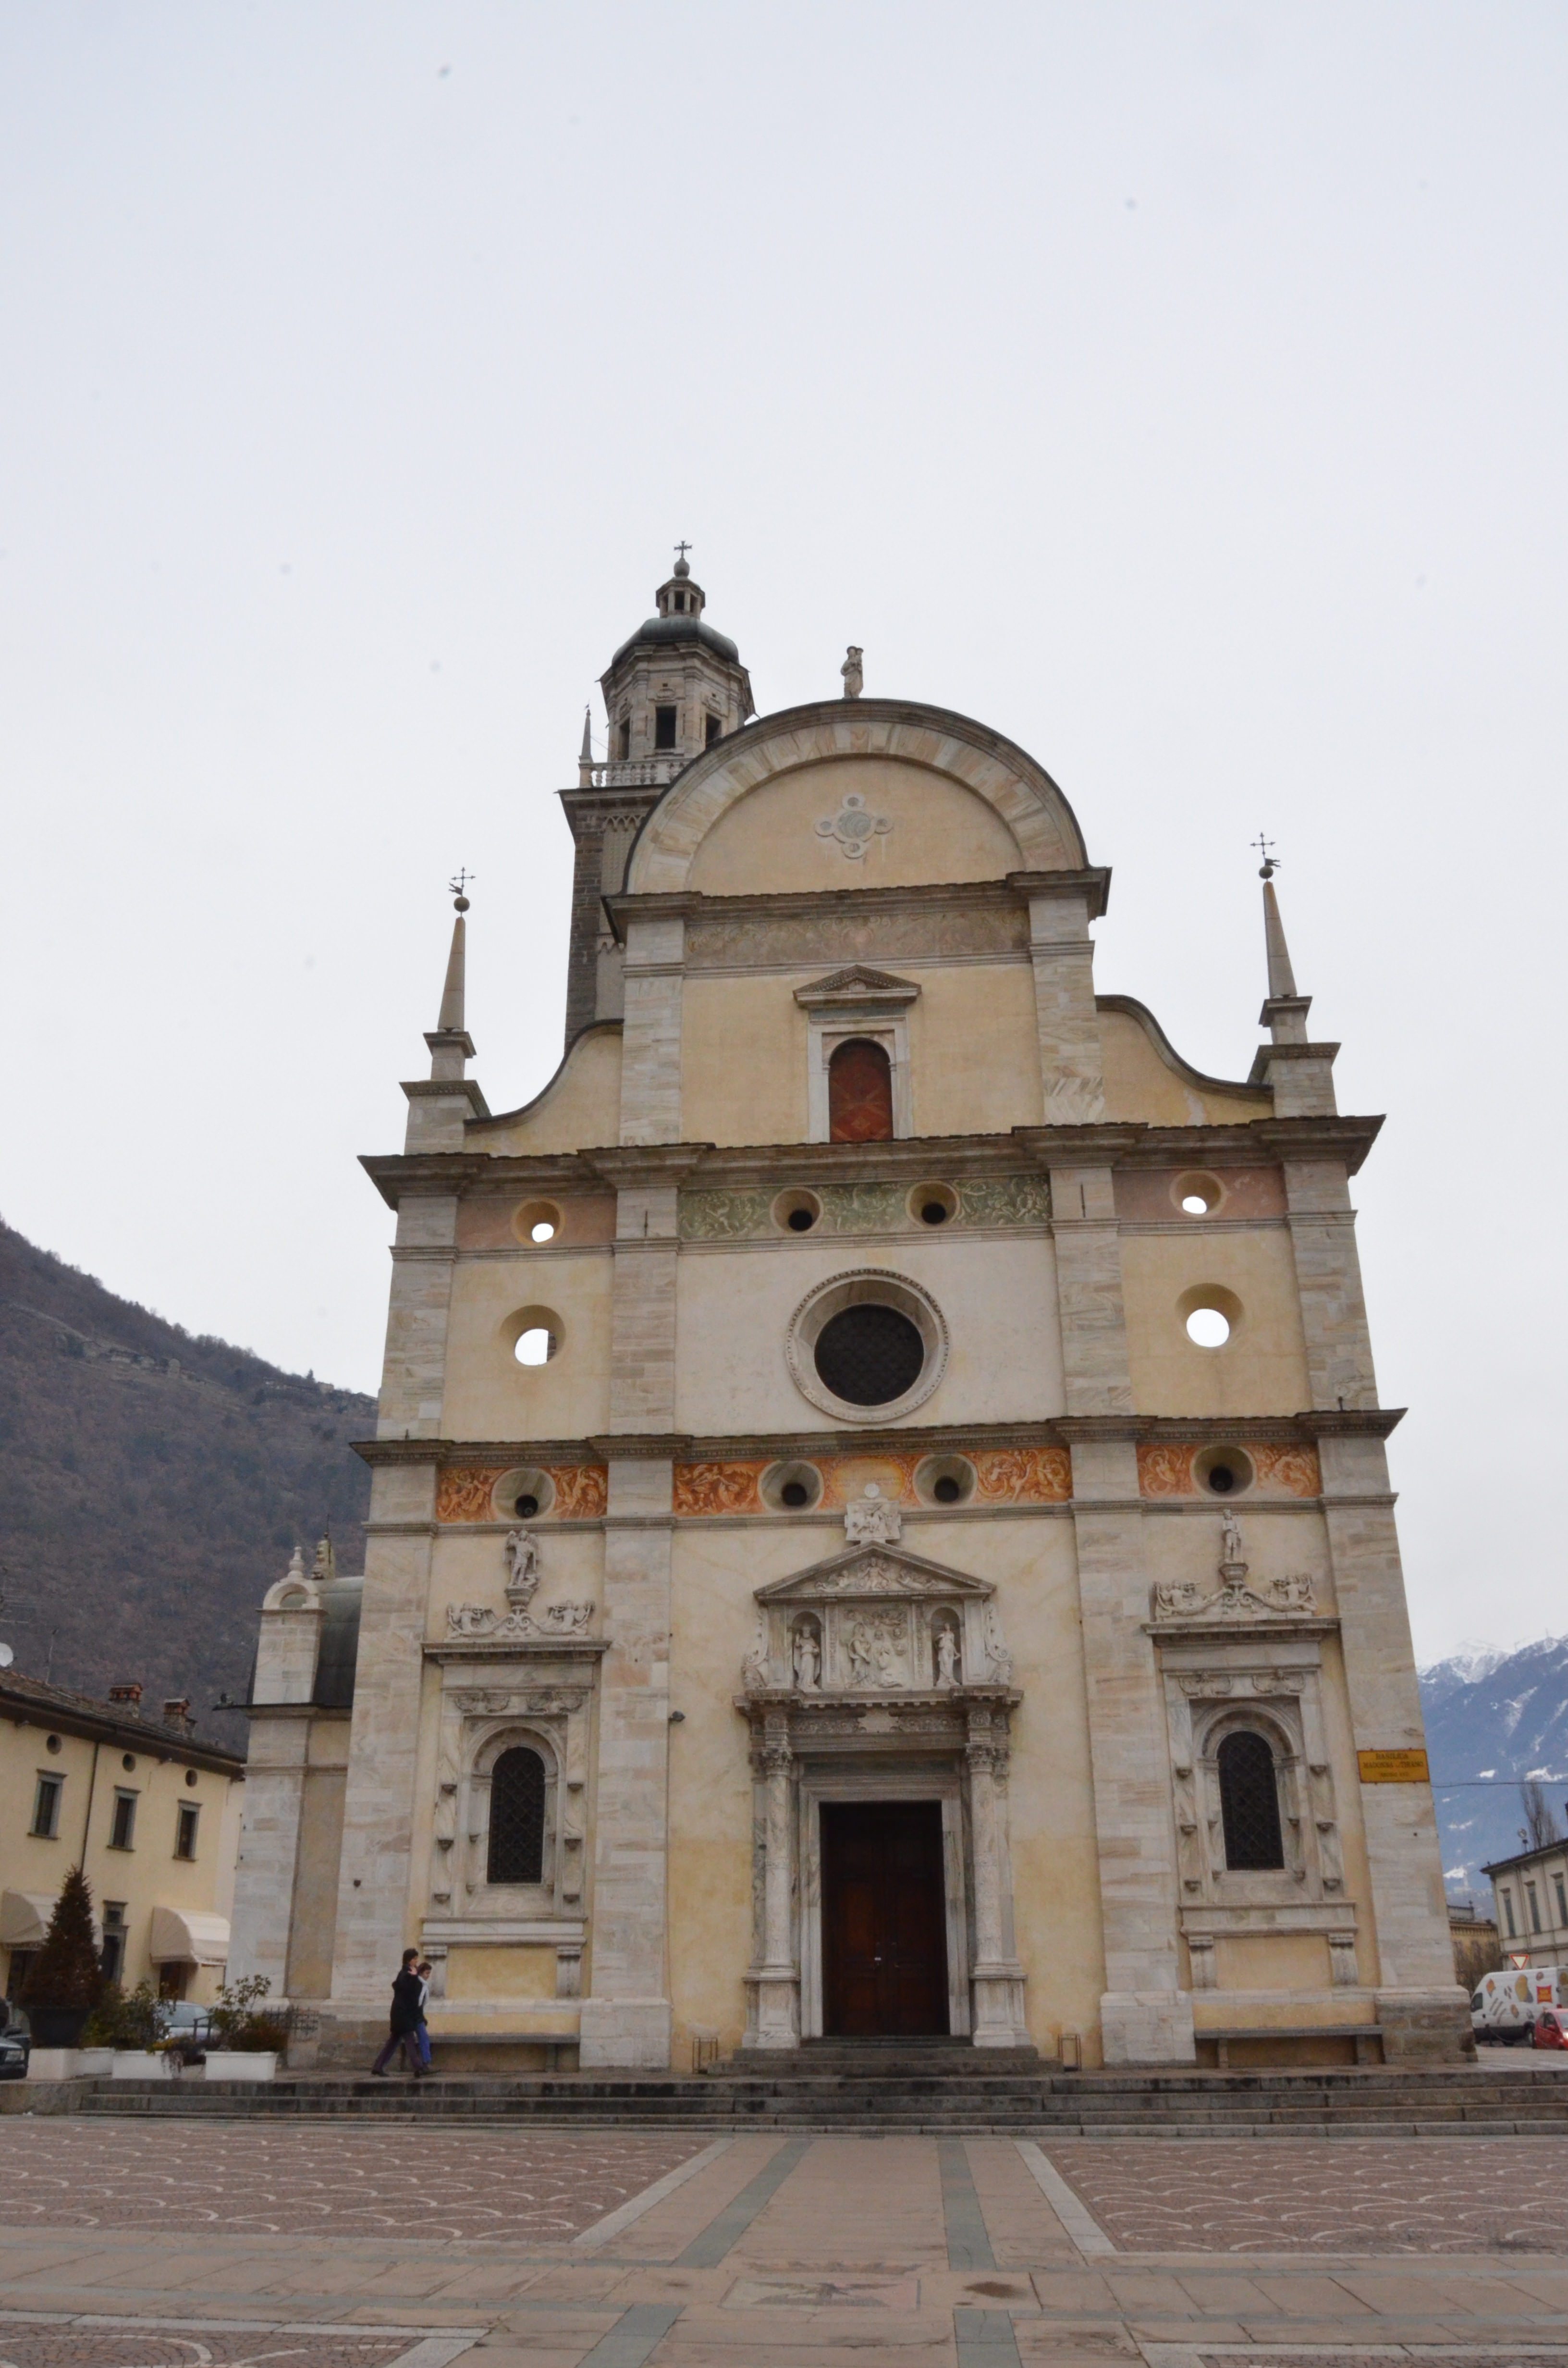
<point x="960" y="801"/>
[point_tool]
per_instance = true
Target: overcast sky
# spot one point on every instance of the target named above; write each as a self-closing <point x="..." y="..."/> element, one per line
<point x="1179" y="388"/>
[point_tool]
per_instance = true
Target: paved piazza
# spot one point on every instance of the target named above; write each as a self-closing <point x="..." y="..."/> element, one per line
<point x="125" y="2243"/>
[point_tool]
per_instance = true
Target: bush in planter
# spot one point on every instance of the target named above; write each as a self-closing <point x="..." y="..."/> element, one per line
<point x="65" y="1981"/>
<point x="139" y="2020"/>
<point x="237" y="2022"/>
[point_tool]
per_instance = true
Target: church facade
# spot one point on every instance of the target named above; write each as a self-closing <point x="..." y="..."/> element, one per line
<point x="880" y="1519"/>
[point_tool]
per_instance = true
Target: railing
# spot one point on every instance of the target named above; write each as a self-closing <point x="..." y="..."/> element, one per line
<point x="645" y="773"/>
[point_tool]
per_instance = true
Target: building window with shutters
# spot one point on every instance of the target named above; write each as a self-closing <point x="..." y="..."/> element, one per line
<point x="122" y="1821"/>
<point x="46" y="1807"/>
<point x="1249" y="1803"/>
<point x="1534" y="1907"/>
<point x="1508" y="1899"/>
<point x="516" y="1818"/>
<point x="185" y="1823"/>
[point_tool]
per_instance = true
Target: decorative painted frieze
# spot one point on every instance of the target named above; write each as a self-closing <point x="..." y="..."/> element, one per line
<point x="1282" y="1469"/>
<point x="746" y="1214"/>
<point x="465" y="1492"/>
<point x="1003" y="1476"/>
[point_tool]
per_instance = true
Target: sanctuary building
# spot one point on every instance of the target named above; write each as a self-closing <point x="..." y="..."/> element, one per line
<point x="880" y="1520"/>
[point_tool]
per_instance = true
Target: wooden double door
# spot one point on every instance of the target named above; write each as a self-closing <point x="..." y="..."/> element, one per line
<point x="883" y="1919"/>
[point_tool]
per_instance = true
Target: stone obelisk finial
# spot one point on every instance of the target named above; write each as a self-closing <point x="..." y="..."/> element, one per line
<point x="1299" y="1074"/>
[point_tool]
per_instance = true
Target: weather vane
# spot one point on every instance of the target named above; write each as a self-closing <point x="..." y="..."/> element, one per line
<point x="1271" y="862"/>
<point x="458" y="882"/>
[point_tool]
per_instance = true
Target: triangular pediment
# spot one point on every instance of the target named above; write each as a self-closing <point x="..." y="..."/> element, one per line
<point x="874" y="1573"/>
<point x="857" y="983"/>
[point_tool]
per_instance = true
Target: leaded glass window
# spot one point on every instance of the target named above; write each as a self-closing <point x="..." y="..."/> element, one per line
<point x="516" y="1818"/>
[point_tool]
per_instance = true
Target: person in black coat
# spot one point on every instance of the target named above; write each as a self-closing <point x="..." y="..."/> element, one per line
<point x="406" y="2010"/>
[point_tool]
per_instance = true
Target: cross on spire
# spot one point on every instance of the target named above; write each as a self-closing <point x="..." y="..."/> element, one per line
<point x="1270" y="862"/>
<point x="681" y="550"/>
<point x="457" y="884"/>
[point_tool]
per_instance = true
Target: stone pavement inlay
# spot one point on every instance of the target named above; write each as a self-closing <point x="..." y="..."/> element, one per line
<point x="79" y="2346"/>
<point x="521" y="2186"/>
<point x="1359" y="2195"/>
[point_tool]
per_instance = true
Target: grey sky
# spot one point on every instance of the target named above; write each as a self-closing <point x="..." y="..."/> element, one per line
<point x="1179" y="388"/>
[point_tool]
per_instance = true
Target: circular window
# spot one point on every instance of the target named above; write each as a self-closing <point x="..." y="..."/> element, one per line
<point x="51" y="1743"/>
<point x="798" y="1212"/>
<point x="945" y="1480"/>
<point x="866" y="1339"/>
<point x="128" y="1762"/>
<point x="1199" y="1194"/>
<point x="523" y="1494"/>
<point x="1209" y="1314"/>
<point x="932" y="1204"/>
<point x="190" y="1776"/>
<point x="1222" y="1470"/>
<point x="537" y="1221"/>
<point x="791" y="1488"/>
<point x="869" y="1354"/>
<point x="533" y="1334"/>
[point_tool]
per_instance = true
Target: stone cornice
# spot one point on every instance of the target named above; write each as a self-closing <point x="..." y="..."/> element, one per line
<point x="448" y="1089"/>
<point x="1257" y="1143"/>
<point x="1062" y="1431"/>
<point x="1015" y="889"/>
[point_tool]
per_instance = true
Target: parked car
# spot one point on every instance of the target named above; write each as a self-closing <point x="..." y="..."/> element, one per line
<point x="188" y="2021"/>
<point x="16" y="2046"/>
<point x="1548" y="2031"/>
<point x="1504" y="2009"/>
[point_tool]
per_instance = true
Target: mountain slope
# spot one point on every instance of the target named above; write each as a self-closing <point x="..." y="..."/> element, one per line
<point x="1500" y="1716"/>
<point x="151" y="1487"/>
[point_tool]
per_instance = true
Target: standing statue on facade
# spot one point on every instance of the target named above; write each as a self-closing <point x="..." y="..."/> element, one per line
<point x="808" y="1660"/>
<point x="522" y="1568"/>
<point x="1231" y="1544"/>
<point x="947" y="1658"/>
<point x="853" y="678"/>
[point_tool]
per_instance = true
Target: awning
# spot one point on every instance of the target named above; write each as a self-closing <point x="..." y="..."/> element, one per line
<point x="24" y="1919"/>
<point x="184" y="1936"/>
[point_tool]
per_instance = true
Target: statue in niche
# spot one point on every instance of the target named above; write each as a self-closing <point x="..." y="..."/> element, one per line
<point x="807" y="1658"/>
<point x="1231" y="1544"/>
<point x="522" y="1568"/>
<point x="946" y="1657"/>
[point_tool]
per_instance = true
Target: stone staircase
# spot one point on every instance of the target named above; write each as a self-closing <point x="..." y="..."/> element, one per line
<point x="942" y="2087"/>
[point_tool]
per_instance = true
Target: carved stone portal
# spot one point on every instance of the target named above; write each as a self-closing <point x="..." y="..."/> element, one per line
<point x="872" y="1675"/>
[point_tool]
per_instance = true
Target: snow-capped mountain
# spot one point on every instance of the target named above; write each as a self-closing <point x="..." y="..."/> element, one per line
<point x="1497" y="1714"/>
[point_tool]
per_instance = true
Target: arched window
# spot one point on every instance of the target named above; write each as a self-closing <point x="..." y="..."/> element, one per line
<point x="1249" y="1802"/>
<point x="517" y="1818"/>
<point x="859" y="1093"/>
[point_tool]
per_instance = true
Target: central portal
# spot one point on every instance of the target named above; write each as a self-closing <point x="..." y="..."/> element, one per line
<point x="883" y="1919"/>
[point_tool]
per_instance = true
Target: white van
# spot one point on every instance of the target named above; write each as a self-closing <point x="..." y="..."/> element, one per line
<point x="1503" y="2009"/>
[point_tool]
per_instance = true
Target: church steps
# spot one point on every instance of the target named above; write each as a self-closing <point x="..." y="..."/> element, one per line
<point x="1380" y="2102"/>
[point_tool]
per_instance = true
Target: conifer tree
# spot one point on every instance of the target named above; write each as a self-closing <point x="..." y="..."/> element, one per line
<point x="65" y="1973"/>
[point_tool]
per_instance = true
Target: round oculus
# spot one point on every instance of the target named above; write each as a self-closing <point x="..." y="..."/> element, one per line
<point x="869" y="1354"/>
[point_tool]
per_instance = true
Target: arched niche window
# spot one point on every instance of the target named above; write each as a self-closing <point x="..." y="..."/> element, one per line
<point x="859" y="1093"/>
<point x="1249" y="1802"/>
<point x="516" y="1818"/>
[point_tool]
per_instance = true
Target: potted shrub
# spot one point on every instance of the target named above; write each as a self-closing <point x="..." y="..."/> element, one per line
<point x="243" y="2040"/>
<point x="133" y="2024"/>
<point x="65" y="1980"/>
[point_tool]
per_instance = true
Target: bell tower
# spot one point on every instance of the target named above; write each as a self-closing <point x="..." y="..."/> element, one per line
<point x="670" y="692"/>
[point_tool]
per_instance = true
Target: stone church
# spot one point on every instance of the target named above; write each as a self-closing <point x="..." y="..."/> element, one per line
<point x="880" y="1519"/>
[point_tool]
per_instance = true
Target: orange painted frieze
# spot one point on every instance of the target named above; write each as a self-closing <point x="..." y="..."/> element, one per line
<point x="1165" y="1472"/>
<point x="465" y="1492"/>
<point x="718" y="1487"/>
<point x="1023" y="1475"/>
<point x="1294" y="1469"/>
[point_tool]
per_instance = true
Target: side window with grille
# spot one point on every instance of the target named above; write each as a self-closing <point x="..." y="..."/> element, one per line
<point x="1249" y="1803"/>
<point x="516" y="1818"/>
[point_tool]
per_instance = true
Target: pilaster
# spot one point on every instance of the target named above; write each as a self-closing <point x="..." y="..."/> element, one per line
<point x="374" y="1908"/>
<point x="1328" y="1276"/>
<point x="415" y="1366"/>
<point x="1062" y="954"/>
<point x="625" y="2020"/>
<point x="655" y="971"/>
<point x="1418" y="2001"/>
<point x="270" y="1850"/>
<point x="1146" y="2016"/>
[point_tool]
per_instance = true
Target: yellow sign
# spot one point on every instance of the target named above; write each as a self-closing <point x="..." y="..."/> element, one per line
<point x="1392" y="1767"/>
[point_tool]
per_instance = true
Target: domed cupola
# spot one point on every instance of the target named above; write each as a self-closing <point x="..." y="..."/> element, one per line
<point x="675" y="687"/>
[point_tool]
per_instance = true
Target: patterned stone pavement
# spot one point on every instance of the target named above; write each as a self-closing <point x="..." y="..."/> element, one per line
<point x="148" y="2247"/>
<point x="240" y="2178"/>
<point x="1370" y="2195"/>
<point x="39" y="2345"/>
